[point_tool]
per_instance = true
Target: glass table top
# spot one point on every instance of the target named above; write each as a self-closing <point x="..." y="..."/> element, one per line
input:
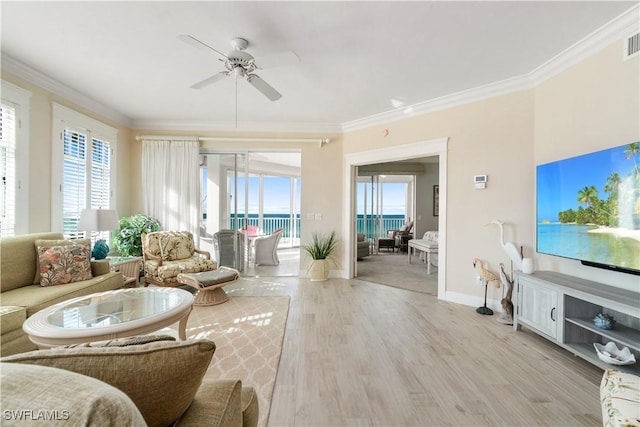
<point x="116" y="307"/>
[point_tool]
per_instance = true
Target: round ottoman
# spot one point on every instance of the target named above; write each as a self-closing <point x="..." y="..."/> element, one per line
<point x="209" y="284"/>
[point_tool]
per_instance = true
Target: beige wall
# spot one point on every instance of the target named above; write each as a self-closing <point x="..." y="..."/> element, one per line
<point x="425" y="220"/>
<point x="493" y="137"/>
<point x="40" y="155"/>
<point x="593" y="106"/>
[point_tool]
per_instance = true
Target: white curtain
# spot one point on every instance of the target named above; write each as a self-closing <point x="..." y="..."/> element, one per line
<point x="171" y="183"/>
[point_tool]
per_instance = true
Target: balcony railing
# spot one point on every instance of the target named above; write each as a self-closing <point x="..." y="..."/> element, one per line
<point x="374" y="227"/>
<point x="292" y="226"/>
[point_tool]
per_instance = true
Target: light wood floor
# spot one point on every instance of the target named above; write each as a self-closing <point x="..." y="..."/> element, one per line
<point x="358" y="353"/>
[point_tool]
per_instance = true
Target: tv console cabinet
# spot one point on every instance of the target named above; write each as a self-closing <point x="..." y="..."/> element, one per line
<point x="561" y="308"/>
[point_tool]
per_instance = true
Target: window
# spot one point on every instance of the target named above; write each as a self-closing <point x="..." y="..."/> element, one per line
<point x="13" y="160"/>
<point x="384" y="203"/>
<point x="7" y="170"/>
<point x="84" y="167"/>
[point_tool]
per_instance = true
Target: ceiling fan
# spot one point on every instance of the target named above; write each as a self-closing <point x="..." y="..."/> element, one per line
<point x="238" y="63"/>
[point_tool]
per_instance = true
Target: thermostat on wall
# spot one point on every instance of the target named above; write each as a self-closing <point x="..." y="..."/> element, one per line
<point x="480" y="182"/>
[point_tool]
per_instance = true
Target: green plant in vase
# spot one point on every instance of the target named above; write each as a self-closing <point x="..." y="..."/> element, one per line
<point x="320" y="249"/>
<point x="128" y="239"/>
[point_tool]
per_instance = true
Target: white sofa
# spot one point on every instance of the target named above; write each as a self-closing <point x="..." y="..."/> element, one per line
<point x="429" y="245"/>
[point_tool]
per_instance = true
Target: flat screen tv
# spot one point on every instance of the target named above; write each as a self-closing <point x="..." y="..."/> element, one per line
<point x="588" y="208"/>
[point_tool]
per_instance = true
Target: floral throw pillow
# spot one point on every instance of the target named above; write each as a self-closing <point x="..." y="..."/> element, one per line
<point x="61" y="264"/>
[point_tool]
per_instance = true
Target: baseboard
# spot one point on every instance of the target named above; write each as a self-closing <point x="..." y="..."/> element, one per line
<point x="473" y="301"/>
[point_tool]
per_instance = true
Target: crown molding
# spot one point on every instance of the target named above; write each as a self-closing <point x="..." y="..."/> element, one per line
<point x="614" y="30"/>
<point x="625" y="24"/>
<point x="211" y="126"/>
<point x="34" y="76"/>
<point x="442" y="103"/>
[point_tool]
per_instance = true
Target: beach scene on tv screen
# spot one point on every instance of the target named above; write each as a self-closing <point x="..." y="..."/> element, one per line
<point x="588" y="207"/>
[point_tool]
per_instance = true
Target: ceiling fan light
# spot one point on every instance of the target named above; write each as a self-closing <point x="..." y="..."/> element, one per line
<point x="238" y="72"/>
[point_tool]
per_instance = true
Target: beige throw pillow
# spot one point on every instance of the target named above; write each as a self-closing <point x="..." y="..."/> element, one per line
<point x="45" y="396"/>
<point x="160" y="377"/>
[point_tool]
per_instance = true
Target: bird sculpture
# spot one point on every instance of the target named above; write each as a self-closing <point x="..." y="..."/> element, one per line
<point x="507" y="305"/>
<point x="486" y="277"/>
<point x="511" y="249"/>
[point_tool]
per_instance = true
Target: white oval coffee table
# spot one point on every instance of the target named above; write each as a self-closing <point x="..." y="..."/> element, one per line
<point x="108" y="315"/>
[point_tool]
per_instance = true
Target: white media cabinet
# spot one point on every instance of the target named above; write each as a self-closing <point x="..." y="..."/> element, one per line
<point x="561" y="308"/>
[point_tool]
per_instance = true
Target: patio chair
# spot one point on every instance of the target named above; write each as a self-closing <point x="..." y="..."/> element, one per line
<point x="224" y="245"/>
<point x="401" y="236"/>
<point x="266" y="248"/>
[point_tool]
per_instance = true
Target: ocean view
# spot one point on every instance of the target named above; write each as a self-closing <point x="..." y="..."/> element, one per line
<point x="273" y="221"/>
<point x="574" y="241"/>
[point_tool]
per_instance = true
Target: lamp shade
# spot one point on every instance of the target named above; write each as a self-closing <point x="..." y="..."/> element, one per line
<point x="98" y="220"/>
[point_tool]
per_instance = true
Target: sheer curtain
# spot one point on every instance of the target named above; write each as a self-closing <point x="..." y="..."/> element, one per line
<point x="171" y="183"/>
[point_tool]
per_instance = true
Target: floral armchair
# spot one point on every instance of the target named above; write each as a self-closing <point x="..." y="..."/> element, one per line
<point x="168" y="253"/>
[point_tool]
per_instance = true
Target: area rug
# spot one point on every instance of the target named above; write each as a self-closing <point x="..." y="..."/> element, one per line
<point x="248" y="332"/>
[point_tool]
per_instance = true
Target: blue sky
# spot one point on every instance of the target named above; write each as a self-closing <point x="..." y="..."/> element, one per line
<point x="276" y="194"/>
<point x="394" y="194"/>
<point x="558" y="182"/>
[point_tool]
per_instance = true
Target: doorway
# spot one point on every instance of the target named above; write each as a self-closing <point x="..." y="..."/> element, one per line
<point x="436" y="148"/>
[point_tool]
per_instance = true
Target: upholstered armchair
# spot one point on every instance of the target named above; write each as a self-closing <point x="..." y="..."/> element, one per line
<point x="362" y="246"/>
<point x="167" y="253"/>
<point x="266" y="249"/>
<point x="225" y="246"/>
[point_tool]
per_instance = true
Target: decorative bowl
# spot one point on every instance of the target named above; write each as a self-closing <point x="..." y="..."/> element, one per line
<point x="612" y="355"/>
<point x="604" y="321"/>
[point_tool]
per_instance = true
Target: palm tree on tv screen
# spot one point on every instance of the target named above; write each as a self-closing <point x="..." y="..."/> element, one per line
<point x="587" y="195"/>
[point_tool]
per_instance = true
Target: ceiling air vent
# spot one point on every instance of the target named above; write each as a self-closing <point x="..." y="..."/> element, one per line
<point x="631" y="46"/>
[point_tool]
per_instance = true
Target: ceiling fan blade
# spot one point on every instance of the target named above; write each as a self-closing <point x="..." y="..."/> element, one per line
<point x="198" y="44"/>
<point x="263" y="87"/>
<point x="210" y="80"/>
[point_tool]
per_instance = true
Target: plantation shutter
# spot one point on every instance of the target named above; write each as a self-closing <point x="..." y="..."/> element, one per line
<point x="8" y="170"/>
<point x="100" y="174"/>
<point x="86" y="179"/>
<point x="74" y="181"/>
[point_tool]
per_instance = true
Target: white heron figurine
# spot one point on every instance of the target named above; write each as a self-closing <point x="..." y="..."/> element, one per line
<point x="511" y="249"/>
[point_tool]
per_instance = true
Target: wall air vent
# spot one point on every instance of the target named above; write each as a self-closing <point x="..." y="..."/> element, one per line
<point x="631" y="46"/>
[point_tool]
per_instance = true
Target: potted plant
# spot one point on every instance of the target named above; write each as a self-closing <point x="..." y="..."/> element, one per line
<point x="320" y="250"/>
<point x="128" y="239"/>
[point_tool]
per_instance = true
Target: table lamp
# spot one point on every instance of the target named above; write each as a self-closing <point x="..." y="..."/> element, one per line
<point x="99" y="220"/>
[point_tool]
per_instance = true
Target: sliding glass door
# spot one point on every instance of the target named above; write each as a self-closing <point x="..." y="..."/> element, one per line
<point x="225" y="190"/>
<point x="250" y="194"/>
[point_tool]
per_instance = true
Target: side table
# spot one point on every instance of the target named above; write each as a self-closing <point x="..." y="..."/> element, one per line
<point x="385" y="242"/>
<point x="129" y="267"/>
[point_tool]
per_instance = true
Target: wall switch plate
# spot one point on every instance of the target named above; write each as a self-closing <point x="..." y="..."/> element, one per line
<point x="480" y="182"/>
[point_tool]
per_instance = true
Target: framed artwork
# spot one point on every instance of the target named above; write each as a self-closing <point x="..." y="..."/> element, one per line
<point x="436" y="200"/>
